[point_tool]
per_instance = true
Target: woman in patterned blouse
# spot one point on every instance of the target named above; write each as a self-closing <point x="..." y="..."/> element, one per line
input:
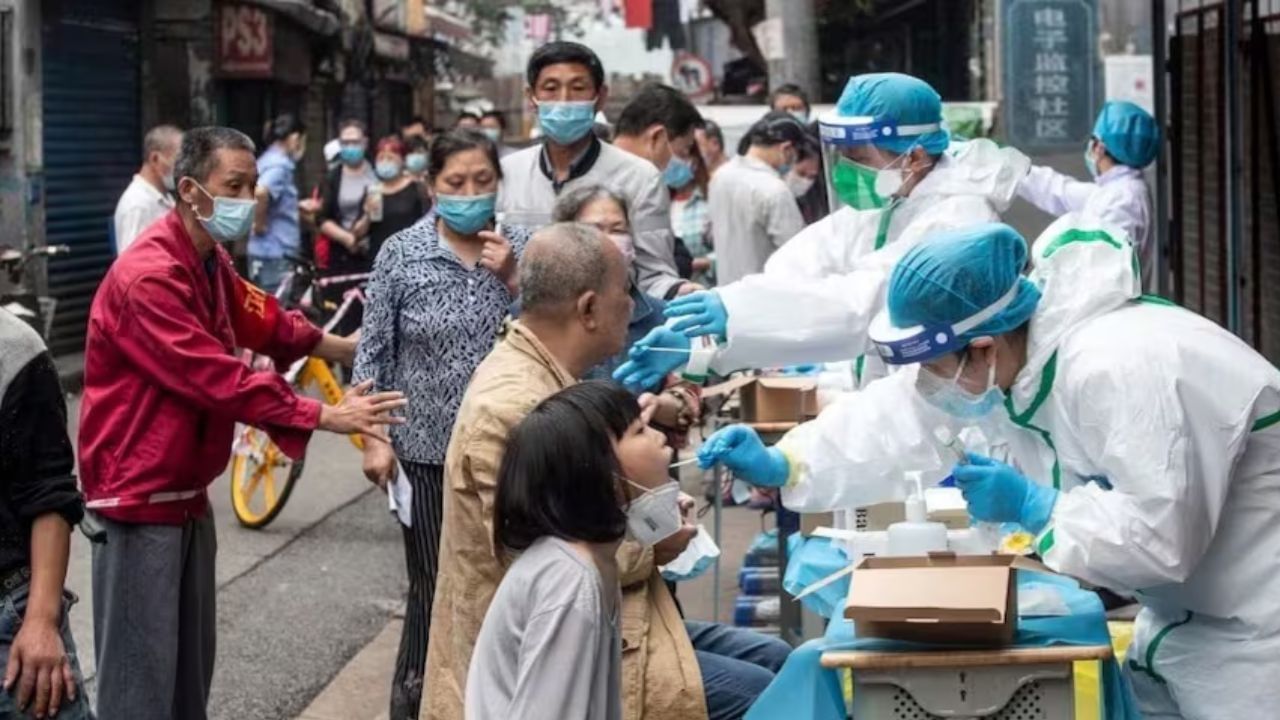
<point x="438" y="296"/>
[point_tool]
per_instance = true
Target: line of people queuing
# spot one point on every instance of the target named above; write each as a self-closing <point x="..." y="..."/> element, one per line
<point x="574" y="237"/>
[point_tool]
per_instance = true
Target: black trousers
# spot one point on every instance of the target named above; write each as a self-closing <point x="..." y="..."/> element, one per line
<point x="421" y="555"/>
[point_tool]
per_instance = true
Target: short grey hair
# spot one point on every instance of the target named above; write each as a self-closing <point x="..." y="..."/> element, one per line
<point x="572" y="202"/>
<point x="160" y="139"/>
<point x="200" y="146"/>
<point x="560" y="263"/>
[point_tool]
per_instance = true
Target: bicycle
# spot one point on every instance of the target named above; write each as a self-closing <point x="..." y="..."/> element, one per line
<point x="256" y="461"/>
<point x="15" y="296"/>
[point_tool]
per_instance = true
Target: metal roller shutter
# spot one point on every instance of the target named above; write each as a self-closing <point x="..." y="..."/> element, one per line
<point x="92" y="147"/>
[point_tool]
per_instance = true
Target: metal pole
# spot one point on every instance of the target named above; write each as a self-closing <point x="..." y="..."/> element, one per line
<point x="1160" y="59"/>
<point x="717" y="477"/>
<point x="1233" y="130"/>
<point x="799" y="64"/>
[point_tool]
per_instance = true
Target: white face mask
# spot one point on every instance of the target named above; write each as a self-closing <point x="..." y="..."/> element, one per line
<point x="949" y="397"/>
<point x="890" y="179"/>
<point x="655" y="515"/>
<point x="799" y="184"/>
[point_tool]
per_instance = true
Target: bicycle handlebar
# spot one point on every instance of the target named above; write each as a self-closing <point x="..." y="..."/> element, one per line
<point x="13" y="258"/>
<point x="338" y="279"/>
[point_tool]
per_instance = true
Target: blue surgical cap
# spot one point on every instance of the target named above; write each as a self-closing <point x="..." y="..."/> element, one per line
<point x="901" y="98"/>
<point x="1129" y="133"/>
<point x="952" y="275"/>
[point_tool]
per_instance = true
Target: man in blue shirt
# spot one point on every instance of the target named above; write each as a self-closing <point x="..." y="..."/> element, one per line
<point x="275" y="229"/>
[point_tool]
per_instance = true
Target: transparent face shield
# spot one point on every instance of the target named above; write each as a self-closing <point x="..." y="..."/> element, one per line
<point x="860" y="173"/>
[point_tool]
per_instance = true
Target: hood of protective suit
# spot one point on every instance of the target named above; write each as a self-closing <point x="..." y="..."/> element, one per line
<point x="977" y="167"/>
<point x="1084" y="268"/>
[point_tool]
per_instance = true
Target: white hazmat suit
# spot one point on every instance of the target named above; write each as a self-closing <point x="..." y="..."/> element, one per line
<point x="1161" y="429"/>
<point x="819" y="291"/>
<point x="1119" y="196"/>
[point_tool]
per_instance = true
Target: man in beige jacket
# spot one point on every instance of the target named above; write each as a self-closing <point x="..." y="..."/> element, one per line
<point x="575" y="310"/>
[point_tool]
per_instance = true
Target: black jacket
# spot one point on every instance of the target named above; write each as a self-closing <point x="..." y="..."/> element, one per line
<point x="36" y="459"/>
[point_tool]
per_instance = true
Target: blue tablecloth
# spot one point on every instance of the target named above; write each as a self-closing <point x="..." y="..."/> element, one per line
<point x="804" y="689"/>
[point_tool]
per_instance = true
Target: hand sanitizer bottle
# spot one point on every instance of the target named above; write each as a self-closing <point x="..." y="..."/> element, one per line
<point x="917" y="536"/>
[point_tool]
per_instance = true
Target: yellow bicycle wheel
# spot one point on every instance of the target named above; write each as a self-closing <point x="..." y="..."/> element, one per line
<point x="262" y="477"/>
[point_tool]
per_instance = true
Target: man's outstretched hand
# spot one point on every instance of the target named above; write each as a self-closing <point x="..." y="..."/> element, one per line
<point x="362" y="412"/>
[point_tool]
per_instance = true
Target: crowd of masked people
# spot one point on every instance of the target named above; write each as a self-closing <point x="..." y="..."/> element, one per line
<point x="505" y="288"/>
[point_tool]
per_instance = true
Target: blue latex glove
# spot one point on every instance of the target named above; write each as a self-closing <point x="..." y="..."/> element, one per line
<point x="740" y="449"/>
<point x="700" y="313"/>
<point x="647" y="366"/>
<point x="998" y="493"/>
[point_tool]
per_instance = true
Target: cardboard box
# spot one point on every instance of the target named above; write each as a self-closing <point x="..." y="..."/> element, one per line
<point x="881" y="515"/>
<point x="943" y="598"/>
<point x="812" y="521"/>
<point x="771" y="399"/>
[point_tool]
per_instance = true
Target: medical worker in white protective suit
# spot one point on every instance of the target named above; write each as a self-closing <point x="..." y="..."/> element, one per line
<point x="1144" y="443"/>
<point x="1125" y="140"/>
<point x="894" y="177"/>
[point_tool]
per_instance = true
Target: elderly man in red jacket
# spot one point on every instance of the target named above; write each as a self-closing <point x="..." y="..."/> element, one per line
<point x="163" y="390"/>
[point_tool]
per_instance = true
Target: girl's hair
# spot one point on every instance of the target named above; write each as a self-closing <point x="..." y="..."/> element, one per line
<point x="559" y="475"/>
<point x="456" y="141"/>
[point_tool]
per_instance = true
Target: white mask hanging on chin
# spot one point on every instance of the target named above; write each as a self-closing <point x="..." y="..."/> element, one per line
<point x="654" y="515"/>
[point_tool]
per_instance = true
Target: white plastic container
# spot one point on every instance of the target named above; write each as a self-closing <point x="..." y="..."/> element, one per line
<point x="917" y="536"/>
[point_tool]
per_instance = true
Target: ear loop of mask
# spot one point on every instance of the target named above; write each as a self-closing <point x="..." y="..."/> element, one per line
<point x="991" y="377"/>
<point x="890" y="179"/>
<point x="195" y="210"/>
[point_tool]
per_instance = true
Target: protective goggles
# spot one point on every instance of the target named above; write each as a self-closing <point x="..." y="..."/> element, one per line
<point x="846" y="131"/>
<point x="921" y="343"/>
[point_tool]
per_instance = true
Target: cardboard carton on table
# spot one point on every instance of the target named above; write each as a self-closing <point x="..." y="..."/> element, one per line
<point x="941" y="598"/>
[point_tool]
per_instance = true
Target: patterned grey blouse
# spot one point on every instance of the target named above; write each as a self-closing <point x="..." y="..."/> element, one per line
<point x="428" y="322"/>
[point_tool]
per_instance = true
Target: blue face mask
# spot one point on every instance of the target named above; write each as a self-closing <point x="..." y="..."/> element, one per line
<point x="949" y="397"/>
<point x="415" y="162"/>
<point x="679" y="173"/>
<point x="566" y="122"/>
<point x="466" y="214"/>
<point x="1089" y="162"/>
<point x="231" y="219"/>
<point x="352" y="154"/>
<point x="387" y="170"/>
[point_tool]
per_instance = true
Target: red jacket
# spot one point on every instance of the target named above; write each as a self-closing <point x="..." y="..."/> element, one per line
<point x="163" y="388"/>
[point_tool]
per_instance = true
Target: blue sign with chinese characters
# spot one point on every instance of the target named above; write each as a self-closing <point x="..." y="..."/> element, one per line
<point x="1051" y="87"/>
